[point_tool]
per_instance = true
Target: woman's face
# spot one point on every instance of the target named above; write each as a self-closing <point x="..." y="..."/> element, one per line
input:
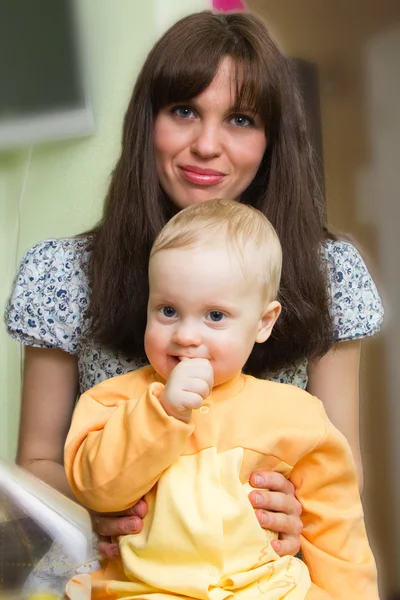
<point x="205" y="148"/>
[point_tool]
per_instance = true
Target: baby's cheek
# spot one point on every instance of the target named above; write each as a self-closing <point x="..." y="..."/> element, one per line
<point x="231" y="352"/>
<point x="153" y="341"/>
<point x="240" y="351"/>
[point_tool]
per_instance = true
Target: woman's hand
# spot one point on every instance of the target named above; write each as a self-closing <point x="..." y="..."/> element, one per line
<point x="278" y="509"/>
<point x="110" y="525"/>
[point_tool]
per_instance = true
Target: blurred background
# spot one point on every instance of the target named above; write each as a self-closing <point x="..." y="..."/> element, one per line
<point x="55" y="167"/>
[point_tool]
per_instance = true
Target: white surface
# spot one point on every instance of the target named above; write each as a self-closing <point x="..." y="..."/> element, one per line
<point x="58" y="125"/>
<point x="65" y="521"/>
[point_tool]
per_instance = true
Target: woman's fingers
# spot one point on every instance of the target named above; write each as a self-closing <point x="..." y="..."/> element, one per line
<point x="109" y="550"/>
<point x="112" y="526"/>
<point x="287" y="545"/>
<point x="280" y="522"/>
<point x="272" y="481"/>
<point x="277" y="509"/>
<point x="121" y="523"/>
<point x="276" y="494"/>
<point x="276" y="502"/>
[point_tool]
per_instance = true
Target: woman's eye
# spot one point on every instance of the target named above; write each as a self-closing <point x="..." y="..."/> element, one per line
<point x="184" y="112"/>
<point x="242" y="121"/>
<point x="168" y="311"/>
<point x="216" y="316"/>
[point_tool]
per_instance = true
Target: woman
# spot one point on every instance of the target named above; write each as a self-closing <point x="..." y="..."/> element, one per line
<point x="215" y="113"/>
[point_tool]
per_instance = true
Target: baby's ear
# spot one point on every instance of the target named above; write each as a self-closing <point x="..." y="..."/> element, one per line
<point x="267" y="321"/>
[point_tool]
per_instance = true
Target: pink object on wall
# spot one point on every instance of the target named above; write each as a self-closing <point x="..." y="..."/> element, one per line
<point x="225" y="5"/>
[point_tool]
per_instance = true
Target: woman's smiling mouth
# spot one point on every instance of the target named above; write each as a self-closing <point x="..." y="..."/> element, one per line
<point x="199" y="176"/>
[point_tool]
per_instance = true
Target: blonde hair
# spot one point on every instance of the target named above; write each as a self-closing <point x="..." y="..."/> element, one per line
<point x="245" y="228"/>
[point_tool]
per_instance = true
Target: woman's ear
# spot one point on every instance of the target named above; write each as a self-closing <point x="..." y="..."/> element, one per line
<point x="267" y="321"/>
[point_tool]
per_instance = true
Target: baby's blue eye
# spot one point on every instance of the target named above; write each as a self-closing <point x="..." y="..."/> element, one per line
<point x="216" y="316"/>
<point x="168" y="311"/>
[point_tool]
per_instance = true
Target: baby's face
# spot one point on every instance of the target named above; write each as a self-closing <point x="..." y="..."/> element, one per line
<point x="201" y="305"/>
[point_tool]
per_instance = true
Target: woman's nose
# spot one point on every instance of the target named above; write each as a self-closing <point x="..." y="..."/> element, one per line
<point x="207" y="141"/>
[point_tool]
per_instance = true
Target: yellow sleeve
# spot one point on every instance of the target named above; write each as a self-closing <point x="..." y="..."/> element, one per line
<point x="334" y="542"/>
<point x="116" y="451"/>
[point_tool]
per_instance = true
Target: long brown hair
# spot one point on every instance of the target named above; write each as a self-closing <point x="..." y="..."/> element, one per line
<point x="180" y="66"/>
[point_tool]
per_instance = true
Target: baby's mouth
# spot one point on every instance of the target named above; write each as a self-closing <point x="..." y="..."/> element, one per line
<point x="174" y="359"/>
<point x="181" y="357"/>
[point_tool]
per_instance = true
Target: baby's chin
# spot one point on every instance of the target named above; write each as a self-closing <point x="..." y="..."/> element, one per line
<point x="220" y="380"/>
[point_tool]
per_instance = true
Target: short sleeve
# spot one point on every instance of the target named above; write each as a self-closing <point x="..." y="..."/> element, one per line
<point x="356" y="306"/>
<point x="48" y="304"/>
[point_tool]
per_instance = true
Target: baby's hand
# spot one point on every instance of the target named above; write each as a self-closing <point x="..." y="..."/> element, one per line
<point x="189" y="383"/>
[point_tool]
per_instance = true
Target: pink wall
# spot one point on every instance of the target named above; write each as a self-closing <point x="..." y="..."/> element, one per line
<point x="225" y="5"/>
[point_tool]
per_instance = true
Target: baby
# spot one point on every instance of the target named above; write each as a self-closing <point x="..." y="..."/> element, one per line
<point x="187" y="431"/>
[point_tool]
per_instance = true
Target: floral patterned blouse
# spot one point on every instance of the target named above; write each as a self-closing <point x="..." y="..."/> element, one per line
<point x="48" y="306"/>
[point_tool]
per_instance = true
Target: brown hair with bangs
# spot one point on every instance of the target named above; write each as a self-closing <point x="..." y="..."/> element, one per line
<point x="181" y="66"/>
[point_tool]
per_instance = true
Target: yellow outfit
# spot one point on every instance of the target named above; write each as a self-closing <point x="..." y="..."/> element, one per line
<point x="201" y="538"/>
